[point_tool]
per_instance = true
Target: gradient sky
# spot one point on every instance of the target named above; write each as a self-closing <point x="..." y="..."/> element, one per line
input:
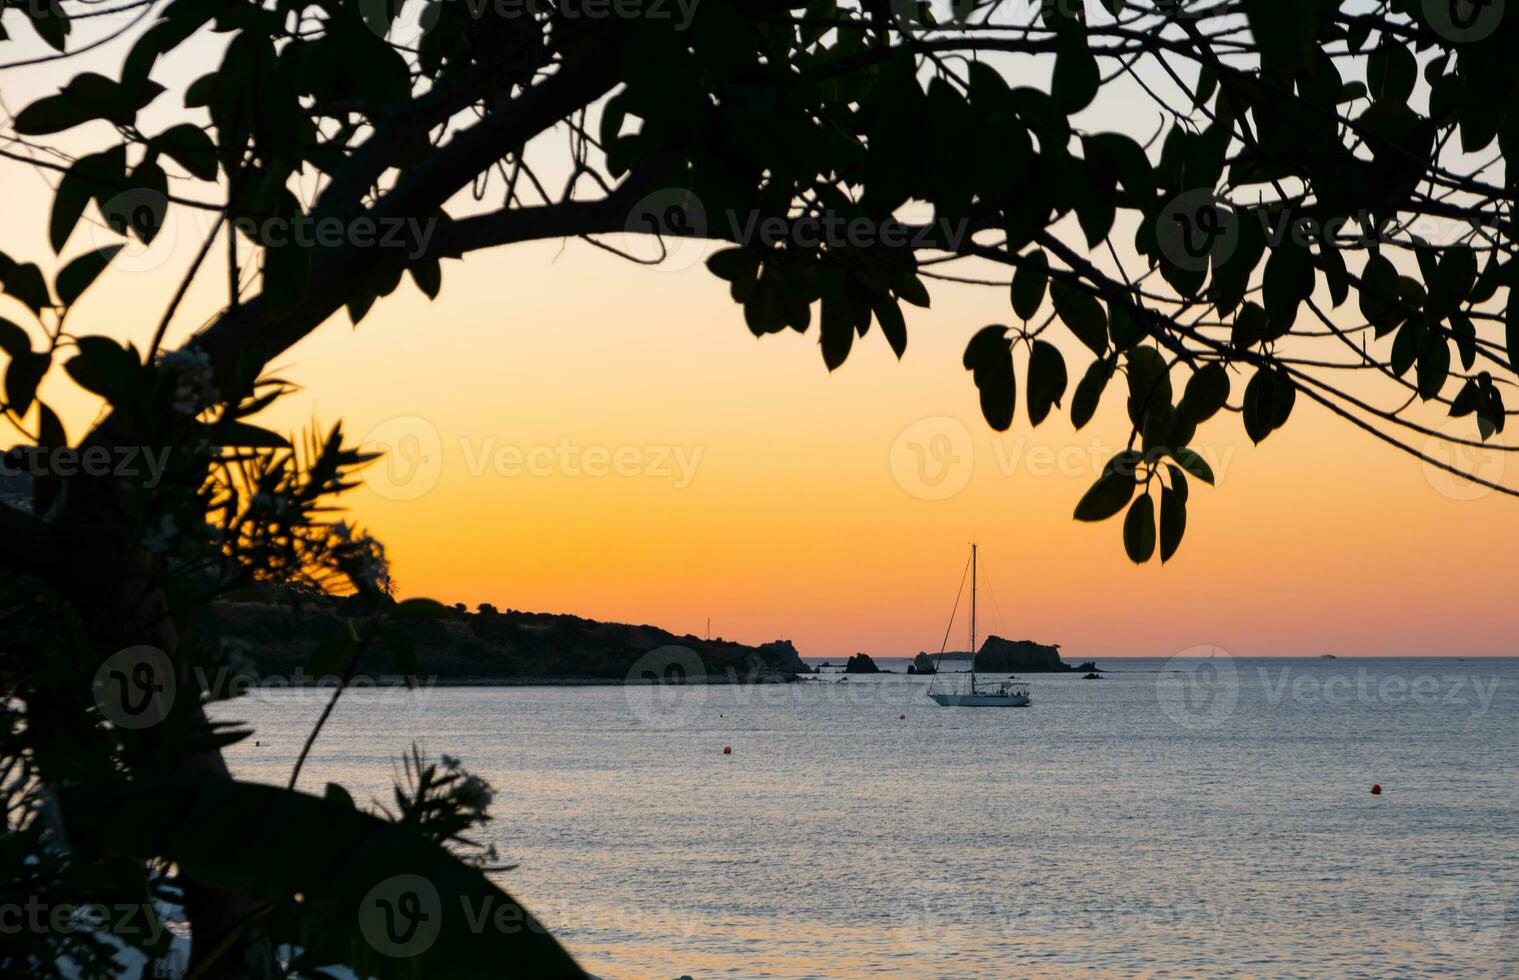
<point x="780" y="501"/>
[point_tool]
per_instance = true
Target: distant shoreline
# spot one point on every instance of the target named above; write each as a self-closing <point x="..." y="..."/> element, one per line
<point x="396" y="680"/>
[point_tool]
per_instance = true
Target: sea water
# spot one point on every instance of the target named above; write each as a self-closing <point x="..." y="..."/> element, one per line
<point x="1198" y="817"/>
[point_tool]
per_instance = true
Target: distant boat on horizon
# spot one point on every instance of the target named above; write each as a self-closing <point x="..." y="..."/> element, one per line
<point x="1003" y="695"/>
<point x="1328" y="656"/>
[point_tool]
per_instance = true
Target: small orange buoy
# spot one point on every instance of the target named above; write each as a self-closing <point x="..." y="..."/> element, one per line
<point x="1376" y="789"/>
<point x="727" y="750"/>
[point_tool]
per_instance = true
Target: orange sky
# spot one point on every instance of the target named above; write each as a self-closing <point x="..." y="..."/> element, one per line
<point x="758" y="490"/>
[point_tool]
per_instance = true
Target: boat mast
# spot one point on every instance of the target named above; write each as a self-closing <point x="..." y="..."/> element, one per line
<point x="973" y="617"/>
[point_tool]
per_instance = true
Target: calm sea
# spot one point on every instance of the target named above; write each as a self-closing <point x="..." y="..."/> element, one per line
<point x="1179" y="818"/>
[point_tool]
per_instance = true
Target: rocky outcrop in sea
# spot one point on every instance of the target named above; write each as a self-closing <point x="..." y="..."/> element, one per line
<point x="999" y="656"/>
<point x="861" y="663"/>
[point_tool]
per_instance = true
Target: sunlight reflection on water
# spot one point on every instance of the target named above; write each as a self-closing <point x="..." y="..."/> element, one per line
<point x="1094" y="833"/>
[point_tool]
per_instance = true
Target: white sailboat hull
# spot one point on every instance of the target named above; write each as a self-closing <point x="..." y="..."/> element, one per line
<point x="981" y="700"/>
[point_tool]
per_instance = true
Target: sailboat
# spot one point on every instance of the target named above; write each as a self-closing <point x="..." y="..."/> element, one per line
<point x="1005" y="694"/>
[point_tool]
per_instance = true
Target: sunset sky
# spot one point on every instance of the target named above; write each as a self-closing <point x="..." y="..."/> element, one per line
<point x="780" y="501"/>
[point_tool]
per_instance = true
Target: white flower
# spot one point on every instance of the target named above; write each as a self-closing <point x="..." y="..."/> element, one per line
<point x="193" y="376"/>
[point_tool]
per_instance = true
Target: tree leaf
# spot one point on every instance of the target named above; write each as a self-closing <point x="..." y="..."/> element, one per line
<point x="1029" y="283"/>
<point x="1434" y="364"/>
<point x="734" y="264"/>
<point x="69" y="201"/>
<point x="1284" y="396"/>
<point x="13" y="340"/>
<point x="22" y="375"/>
<point x="889" y="316"/>
<point x="1076" y="78"/>
<point x="989" y="358"/>
<point x="24" y="281"/>
<point x="1081" y="312"/>
<point x="1380" y="303"/>
<point x="50" y="22"/>
<point x="1047" y="380"/>
<point x="1194" y="464"/>
<point x="1139" y="530"/>
<point x="104" y="367"/>
<point x="74" y="278"/>
<point x="428" y="275"/>
<point x="1109" y="495"/>
<point x="1260" y="417"/>
<point x="1173" y="520"/>
<point x="1089" y="392"/>
<point x="1207" y="392"/>
<point x="837" y="328"/>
